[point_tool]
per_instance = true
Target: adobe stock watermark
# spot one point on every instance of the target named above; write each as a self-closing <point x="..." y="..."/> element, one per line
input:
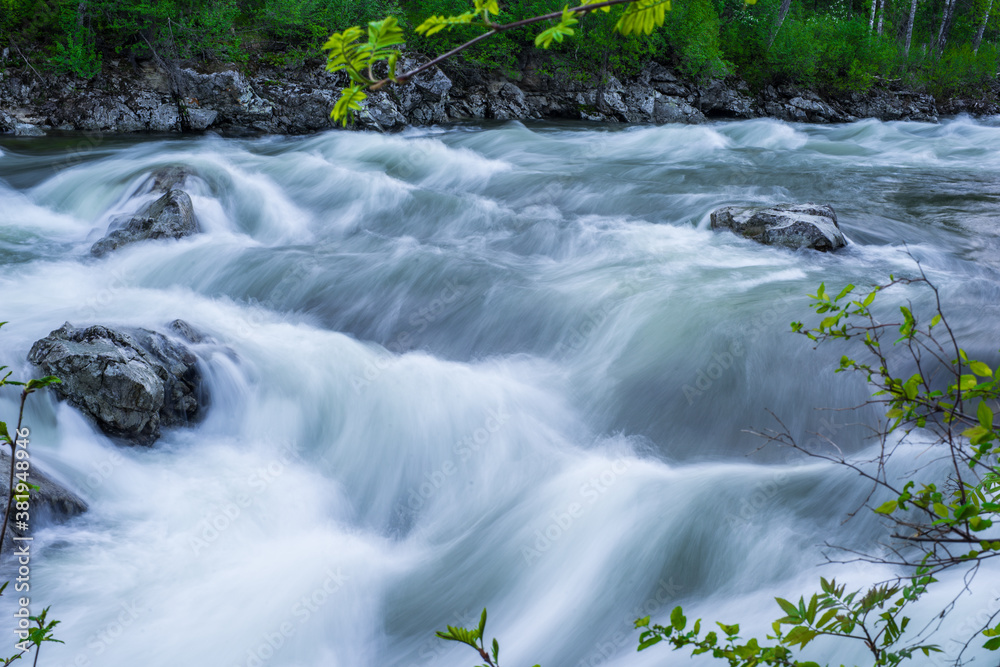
<point x="434" y="648"/>
<point x="271" y="642"/>
<point x="720" y="363"/>
<point x="78" y="152"/>
<point x="576" y="338"/>
<point x="102" y="639"/>
<point x="764" y="491"/>
<point x="97" y="304"/>
<point x="625" y="637"/>
<point x="464" y="449"/>
<point x="254" y="315"/>
<point x="221" y="517"/>
<point x="102" y="471"/>
<point x="402" y="342"/>
<point x="562" y="520"/>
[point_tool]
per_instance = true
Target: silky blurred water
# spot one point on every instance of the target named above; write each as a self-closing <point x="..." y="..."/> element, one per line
<point x="505" y="366"/>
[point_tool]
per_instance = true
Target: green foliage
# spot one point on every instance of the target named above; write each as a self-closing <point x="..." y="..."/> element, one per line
<point x="634" y="17"/>
<point x="643" y="16"/>
<point x="939" y="518"/>
<point x="349" y="54"/>
<point x="692" y="38"/>
<point x="76" y="55"/>
<point x="960" y="71"/>
<point x="830" y="51"/>
<point x="943" y="516"/>
<point x="302" y="22"/>
<point x="474" y="637"/>
<point x="825" y="44"/>
<point x="557" y="32"/>
<point x="874" y="618"/>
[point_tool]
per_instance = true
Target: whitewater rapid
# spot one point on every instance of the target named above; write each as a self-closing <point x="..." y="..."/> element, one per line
<point x="505" y="366"/>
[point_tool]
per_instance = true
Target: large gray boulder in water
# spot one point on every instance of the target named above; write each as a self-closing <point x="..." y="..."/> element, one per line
<point x="131" y="382"/>
<point x="791" y="225"/>
<point x="169" y="217"/>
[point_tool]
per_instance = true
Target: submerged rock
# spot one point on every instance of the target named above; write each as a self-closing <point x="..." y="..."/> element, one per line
<point x="169" y="217"/>
<point x="790" y="225"/>
<point x="167" y="178"/>
<point x="50" y="502"/>
<point x="188" y="332"/>
<point x="28" y="130"/>
<point x="132" y="382"/>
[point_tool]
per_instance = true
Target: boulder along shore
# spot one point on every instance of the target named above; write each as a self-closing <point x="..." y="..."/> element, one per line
<point x="160" y="96"/>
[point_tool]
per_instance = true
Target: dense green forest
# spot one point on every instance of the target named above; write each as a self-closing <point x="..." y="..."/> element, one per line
<point x="945" y="47"/>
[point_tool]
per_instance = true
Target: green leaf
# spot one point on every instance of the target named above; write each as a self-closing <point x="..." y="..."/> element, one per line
<point x="385" y="33"/>
<point x="980" y="369"/>
<point x="975" y="433"/>
<point x="41" y="383"/>
<point x="490" y="6"/>
<point x="788" y="607"/>
<point x="393" y="58"/>
<point x="888" y="507"/>
<point x="436" y="24"/>
<point x="936" y="320"/>
<point x="349" y="102"/>
<point x="827" y="617"/>
<point x="844" y="292"/>
<point x="985" y="415"/>
<point x="482" y="622"/>
<point x="559" y="31"/>
<point x="993" y="644"/>
<point x="800" y="635"/>
<point x="642" y="16"/>
<point x="677" y="618"/>
<point x="655" y="639"/>
<point x="730" y="630"/>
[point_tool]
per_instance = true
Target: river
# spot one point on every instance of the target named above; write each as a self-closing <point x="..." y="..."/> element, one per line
<point x="503" y="366"/>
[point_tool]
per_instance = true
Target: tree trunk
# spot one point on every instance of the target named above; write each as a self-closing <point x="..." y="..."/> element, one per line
<point x="871" y="21"/>
<point x="942" y="37"/>
<point x="909" y="26"/>
<point x="982" y="28"/>
<point x="881" y="14"/>
<point x="782" y="13"/>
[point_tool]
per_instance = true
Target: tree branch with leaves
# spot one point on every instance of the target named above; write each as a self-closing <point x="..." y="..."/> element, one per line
<point x="359" y="59"/>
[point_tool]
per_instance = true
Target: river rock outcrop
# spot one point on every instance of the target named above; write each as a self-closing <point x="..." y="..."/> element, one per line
<point x="169" y="217"/>
<point x="791" y="225"/>
<point x="132" y="382"/>
<point x="161" y="96"/>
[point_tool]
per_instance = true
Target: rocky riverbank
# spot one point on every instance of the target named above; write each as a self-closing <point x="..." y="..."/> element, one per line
<point x="157" y="96"/>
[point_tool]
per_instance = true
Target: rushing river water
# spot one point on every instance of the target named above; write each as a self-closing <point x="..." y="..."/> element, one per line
<point x="505" y="367"/>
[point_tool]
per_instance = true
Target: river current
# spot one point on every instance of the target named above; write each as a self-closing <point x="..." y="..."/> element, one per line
<point x="503" y="366"/>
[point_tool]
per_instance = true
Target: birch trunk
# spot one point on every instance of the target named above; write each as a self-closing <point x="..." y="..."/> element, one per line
<point x="982" y="28"/>
<point x="782" y="13"/>
<point x="942" y="37"/>
<point x="909" y="26"/>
